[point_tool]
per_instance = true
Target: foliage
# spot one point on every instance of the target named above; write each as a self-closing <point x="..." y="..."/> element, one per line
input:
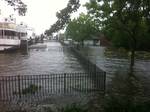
<point x="118" y="104"/>
<point x="125" y="22"/>
<point x="63" y="17"/>
<point x="82" y="28"/>
<point x="31" y="89"/>
<point x="74" y="108"/>
<point x="18" y="5"/>
<point x="126" y="95"/>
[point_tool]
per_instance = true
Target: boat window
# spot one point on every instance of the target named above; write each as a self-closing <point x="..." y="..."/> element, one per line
<point x="1" y="33"/>
<point x="22" y="34"/>
<point x="9" y="33"/>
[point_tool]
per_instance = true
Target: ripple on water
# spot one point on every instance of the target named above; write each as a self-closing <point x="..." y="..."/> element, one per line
<point x="52" y="59"/>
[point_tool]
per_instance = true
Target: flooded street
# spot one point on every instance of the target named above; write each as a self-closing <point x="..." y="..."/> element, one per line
<point x="50" y="69"/>
<point x="46" y="58"/>
<point x="119" y="65"/>
<point x="59" y="88"/>
<point x="51" y="57"/>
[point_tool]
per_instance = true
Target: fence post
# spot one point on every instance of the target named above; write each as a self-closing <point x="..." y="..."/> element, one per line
<point x="0" y="89"/>
<point x="64" y="83"/>
<point x="104" y="81"/>
<point x="95" y="70"/>
<point x="19" y="87"/>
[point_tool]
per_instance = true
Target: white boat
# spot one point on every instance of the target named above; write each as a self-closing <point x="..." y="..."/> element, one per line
<point x="11" y="34"/>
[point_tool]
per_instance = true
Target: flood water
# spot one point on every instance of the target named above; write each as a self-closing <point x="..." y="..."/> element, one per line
<point x="51" y="57"/>
<point x="46" y="58"/>
<point x="119" y="65"/>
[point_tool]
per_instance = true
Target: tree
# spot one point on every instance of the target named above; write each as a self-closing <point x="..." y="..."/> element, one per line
<point x="63" y="17"/>
<point x="82" y="28"/>
<point x="125" y="22"/>
<point x="18" y="5"/>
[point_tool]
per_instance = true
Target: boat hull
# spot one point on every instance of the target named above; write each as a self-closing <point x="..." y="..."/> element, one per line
<point x="9" y="44"/>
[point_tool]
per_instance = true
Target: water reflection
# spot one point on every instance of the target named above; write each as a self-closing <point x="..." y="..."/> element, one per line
<point x="39" y="60"/>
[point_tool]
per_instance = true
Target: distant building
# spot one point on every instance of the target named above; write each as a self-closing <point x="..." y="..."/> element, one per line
<point x="97" y="41"/>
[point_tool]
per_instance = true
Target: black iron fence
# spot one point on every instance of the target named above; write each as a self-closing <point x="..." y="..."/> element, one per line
<point x="26" y="86"/>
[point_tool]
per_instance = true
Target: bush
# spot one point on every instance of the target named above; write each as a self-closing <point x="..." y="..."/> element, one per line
<point x="31" y="89"/>
<point x="126" y="95"/>
<point x="74" y="108"/>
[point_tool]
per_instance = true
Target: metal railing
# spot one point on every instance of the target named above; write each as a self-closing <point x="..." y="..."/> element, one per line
<point x="23" y="87"/>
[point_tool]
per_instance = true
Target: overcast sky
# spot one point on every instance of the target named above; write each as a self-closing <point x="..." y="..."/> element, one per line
<point x="41" y="13"/>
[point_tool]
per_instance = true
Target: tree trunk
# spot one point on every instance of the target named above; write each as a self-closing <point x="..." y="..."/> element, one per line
<point x="132" y="60"/>
<point x="82" y="43"/>
<point x="133" y="49"/>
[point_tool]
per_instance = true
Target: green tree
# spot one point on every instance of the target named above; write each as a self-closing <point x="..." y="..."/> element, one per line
<point x="125" y="22"/>
<point x="63" y="17"/>
<point x="82" y="28"/>
<point x="18" y="5"/>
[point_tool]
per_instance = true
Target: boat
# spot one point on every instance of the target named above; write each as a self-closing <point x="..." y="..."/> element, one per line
<point x="11" y="34"/>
